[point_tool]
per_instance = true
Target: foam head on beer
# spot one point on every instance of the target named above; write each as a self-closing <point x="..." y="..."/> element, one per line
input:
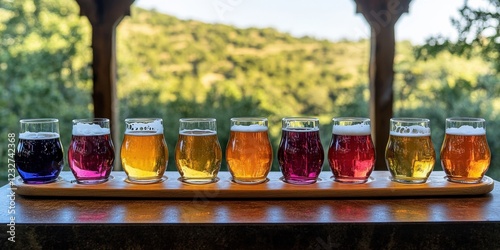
<point x="153" y="127"/>
<point x="301" y="129"/>
<point x="249" y="128"/>
<point x="38" y="135"/>
<point x="466" y="130"/>
<point x="85" y="129"/>
<point x="197" y="132"/>
<point x="356" y="129"/>
<point x="414" y="130"/>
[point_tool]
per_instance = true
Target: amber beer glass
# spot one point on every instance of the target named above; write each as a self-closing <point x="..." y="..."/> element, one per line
<point x="465" y="154"/>
<point x="409" y="154"/>
<point x="249" y="154"/>
<point x="144" y="153"/>
<point x="198" y="154"/>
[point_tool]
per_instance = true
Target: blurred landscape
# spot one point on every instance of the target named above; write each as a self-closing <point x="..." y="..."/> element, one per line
<point x="172" y="68"/>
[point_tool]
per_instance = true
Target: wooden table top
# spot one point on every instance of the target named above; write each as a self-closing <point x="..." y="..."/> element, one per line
<point x="203" y="210"/>
<point x="274" y="214"/>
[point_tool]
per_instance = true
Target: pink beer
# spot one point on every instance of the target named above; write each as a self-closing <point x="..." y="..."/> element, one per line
<point x="91" y="153"/>
<point x="351" y="154"/>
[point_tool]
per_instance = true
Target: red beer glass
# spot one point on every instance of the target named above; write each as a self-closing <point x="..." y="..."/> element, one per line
<point x="351" y="154"/>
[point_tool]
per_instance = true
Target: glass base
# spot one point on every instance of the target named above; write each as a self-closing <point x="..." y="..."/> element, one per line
<point x="409" y="180"/>
<point x="198" y="181"/>
<point x="39" y="181"/>
<point x="464" y="180"/>
<point x="349" y="180"/>
<point x="250" y="181"/>
<point x="91" y="182"/>
<point x="299" y="181"/>
<point x="145" y="180"/>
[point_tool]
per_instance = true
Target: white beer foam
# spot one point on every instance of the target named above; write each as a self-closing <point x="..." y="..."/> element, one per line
<point x="411" y="131"/>
<point x="301" y="129"/>
<point x="154" y="127"/>
<point x="84" y="129"/>
<point x="356" y="129"/>
<point x="197" y="132"/>
<point x="466" y="130"/>
<point x="249" y="128"/>
<point x="38" y="135"/>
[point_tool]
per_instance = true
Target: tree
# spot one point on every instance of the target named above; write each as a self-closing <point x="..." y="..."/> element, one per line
<point x="478" y="32"/>
<point x="43" y="64"/>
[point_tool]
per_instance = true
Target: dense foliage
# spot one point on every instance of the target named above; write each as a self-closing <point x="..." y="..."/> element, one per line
<point x="478" y="30"/>
<point x="171" y="68"/>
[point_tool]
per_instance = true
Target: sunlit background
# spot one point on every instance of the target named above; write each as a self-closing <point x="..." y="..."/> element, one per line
<point x="322" y="19"/>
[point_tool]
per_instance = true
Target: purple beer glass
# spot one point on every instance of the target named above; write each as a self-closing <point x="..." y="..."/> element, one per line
<point x="300" y="153"/>
<point x="351" y="154"/>
<point x="91" y="153"/>
<point x="39" y="152"/>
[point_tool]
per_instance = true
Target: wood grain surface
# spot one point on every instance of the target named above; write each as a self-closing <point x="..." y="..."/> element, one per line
<point x="379" y="185"/>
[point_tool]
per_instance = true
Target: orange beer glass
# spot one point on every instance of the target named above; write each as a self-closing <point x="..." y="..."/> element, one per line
<point x="465" y="154"/>
<point x="249" y="154"/>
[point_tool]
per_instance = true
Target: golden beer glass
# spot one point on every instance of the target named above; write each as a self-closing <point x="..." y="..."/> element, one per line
<point x="198" y="154"/>
<point x="249" y="154"/>
<point x="410" y="154"/>
<point x="144" y="153"/>
<point x="465" y="154"/>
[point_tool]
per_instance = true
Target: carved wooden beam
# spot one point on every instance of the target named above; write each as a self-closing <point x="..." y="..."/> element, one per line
<point x="382" y="16"/>
<point x="104" y="16"/>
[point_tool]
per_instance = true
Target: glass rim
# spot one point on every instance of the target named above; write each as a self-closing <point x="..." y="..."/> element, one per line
<point x="410" y="119"/>
<point x="465" y="119"/>
<point x="349" y="118"/>
<point x="197" y="120"/>
<point x="143" y="119"/>
<point x="250" y="119"/>
<point x="39" y="120"/>
<point x="87" y="120"/>
<point x="300" y="118"/>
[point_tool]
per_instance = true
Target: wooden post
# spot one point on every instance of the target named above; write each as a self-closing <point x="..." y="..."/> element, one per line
<point x="104" y="16"/>
<point x="382" y="16"/>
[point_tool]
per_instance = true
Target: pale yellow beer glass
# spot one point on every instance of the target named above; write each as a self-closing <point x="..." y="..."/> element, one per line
<point x="144" y="153"/>
<point x="465" y="154"/>
<point x="410" y="154"/>
<point x="198" y="154"/>
<point x="249" y="154"/>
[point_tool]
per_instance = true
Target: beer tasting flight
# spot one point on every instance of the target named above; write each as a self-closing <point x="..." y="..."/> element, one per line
<point x="409" y="154"/>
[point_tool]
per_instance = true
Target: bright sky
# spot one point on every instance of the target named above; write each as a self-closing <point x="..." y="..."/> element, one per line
<point x="329" y="19"/>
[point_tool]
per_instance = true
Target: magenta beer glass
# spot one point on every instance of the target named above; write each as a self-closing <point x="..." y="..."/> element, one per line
<point x="300" y="153"/>
<point x="351" y="154"/>
<point x="91" y="153"/>
<point x="39" y="152"/>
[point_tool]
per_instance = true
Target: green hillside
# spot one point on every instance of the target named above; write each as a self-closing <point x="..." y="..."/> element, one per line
<point x="176" y="68"/>
<point x="172" y="68"/>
